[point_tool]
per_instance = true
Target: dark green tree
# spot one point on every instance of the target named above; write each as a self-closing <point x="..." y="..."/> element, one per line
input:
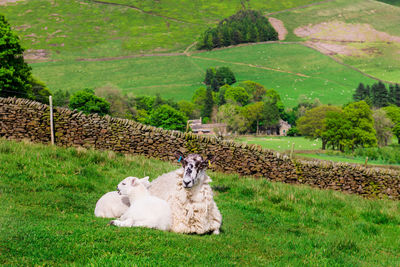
<point x="168" y="118"/>
<point x="210" y="75"/>
<point x="40" y="92"/>
<point x="208" y="104"/>
<point x="379" y="95"/>
<point x="61" y="98"/>
<point x="15" y="74"/>
<point x="396" y="95"/>
<point x="85" y="100"/>
<point x="361" y="93"/>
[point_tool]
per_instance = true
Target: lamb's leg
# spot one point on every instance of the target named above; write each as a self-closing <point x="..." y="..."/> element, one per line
<point x="124" y="223"/>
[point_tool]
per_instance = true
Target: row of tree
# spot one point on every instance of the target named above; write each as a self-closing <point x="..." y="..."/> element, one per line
<point x="378" y="95"/>
<point x="355" y="125"/>
<point x="246" y="26"/>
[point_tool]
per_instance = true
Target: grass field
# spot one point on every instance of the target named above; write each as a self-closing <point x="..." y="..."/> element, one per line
<point x="302" y="144"/>
<point x="89" y="29"/>
<point x="48" y="194"/>
<point x="293" y="70"/>
<point x="379" y="59"/>
<point x="283" y="143"/>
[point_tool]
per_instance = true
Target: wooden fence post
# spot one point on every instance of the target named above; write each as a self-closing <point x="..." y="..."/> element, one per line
<point x="51" y="120"/>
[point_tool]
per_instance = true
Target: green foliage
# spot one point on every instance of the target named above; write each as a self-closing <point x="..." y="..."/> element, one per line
<point x="219" y="77"/>
<point x="293" y="131"/>
<point x="15" y="74"/>
<point x="352" y="128"/>
<point x="256" y="90"/>
<point x="313" y="123"/>
<point x="40" y="92"/>
<point x="396" y="131"/>
<point x="145" y="102"/>
<point x="199" y="97"/>
<point x="189" y="109"/>
<point x="121" y="106"/>
<point x="208" y="104"/>
<point x="237" y="95"/>
<point x="383" y="127"/>
<point x="387" y="154"/>
<point x="86" y="101"/>
<point x="379" y="95"/>
<point x="168" y="118"/>
<point x="246" y="26"/>
<point x="361" y="93"/>
<point x="61" y="98"/>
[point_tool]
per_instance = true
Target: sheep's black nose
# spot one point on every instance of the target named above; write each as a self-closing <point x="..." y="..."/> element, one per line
<point x="186" y="183"/>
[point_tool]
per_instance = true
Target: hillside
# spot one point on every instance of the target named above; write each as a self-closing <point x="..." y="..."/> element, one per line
<point x="362" y="34"/>
<point x="48" y="195"/>
<point x="285" y="70"/>
<point x="147" y="47"/>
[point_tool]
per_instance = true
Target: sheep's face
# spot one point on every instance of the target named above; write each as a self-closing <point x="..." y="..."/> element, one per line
<point x="126" y="186"/>
<point x="194" y="167"/>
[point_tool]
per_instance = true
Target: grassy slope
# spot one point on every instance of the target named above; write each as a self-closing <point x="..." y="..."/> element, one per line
<point x="385" y="63"/>
<point x="177" y="77"/>
<point x="89" y="29"/>
<point x="47" y="197"/>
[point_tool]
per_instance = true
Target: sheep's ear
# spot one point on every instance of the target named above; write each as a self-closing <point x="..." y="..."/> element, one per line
<point x="208" y="161"/>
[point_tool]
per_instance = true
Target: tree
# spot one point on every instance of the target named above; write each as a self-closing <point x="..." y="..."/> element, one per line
<point x="61" y="98"/>
<point x="396" y="132"/>
<point x="256" y="90"/>
<point x="379" y="95"/>
<point x="15" y="74"/>
<point x="237" y="95"/>
<point x="253" y="113"/>
<point x="189" y="109"/>
<point x="85" y="100"/>
<point x="383" y="127"/>
<point x="361" y="93"/>
<point x="40" y="92"/>
<point x="362" y="124"/>
<point x="208" y="104"/>
<point x="210" y="75"/>
<point x="337" y="132"/>
<point x="396" y="95"/>
<point x="168" y="118"/>
<point x="121" y="105"/>
<point x="313" y="123"/>
<point x="199" y="97"/>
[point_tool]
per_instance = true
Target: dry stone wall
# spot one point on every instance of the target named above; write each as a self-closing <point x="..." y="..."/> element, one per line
<point x="25" y="119"/>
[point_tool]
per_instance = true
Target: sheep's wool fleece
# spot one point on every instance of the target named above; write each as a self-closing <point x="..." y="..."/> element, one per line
<point x="193" y="210"/>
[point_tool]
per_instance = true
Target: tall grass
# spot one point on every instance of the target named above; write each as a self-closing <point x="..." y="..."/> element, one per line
<point x="48" y="194"/>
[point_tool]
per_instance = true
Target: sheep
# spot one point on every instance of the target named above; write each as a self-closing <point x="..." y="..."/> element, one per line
<point x="190" y="197"/>
<point x="145" y="210"/>
<point x="112" y="204"/>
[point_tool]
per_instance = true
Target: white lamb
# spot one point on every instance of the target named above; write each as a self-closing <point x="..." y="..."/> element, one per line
<point x="145" y="210"/>
<point x="112" y="204"/>
<point x="190" y="197"/>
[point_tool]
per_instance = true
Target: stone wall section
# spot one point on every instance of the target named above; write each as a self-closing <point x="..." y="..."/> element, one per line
<point x="25" y="119"/>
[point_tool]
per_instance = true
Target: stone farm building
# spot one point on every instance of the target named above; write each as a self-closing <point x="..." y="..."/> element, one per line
<point x="221" y="128"/>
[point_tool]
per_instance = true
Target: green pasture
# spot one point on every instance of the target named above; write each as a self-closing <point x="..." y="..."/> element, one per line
<point x="88" y="29"/>
<point x="379" y="59"/>
<point x="282" y="143"/>
<point x="48" y="194"/>
<point x="292" y="69"/>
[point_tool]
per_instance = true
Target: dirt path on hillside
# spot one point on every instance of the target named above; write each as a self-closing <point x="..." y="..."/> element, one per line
<point x="143" y="11"/>
<point x="252" y="66"/>
<point x="279" y="27"/>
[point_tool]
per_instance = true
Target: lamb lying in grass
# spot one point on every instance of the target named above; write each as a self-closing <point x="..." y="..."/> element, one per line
<point x="190" y="197"/>
<point x="145" y="210"/>
<point x="112" y="204"/>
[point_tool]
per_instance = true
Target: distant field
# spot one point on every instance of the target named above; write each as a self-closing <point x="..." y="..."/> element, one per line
<point x="89" y="29"/>
<point x="378" y="58"/>
<point x="283" y="143"/>
<point x="48" y="195"/>
<point x="293" y="70"/>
